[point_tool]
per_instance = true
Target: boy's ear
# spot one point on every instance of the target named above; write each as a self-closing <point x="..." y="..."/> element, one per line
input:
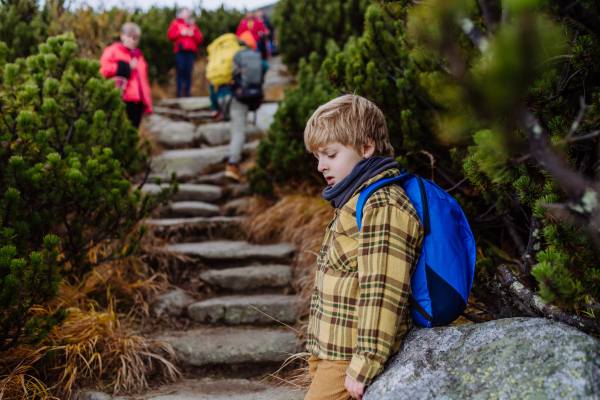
<point x="368" y="148"/>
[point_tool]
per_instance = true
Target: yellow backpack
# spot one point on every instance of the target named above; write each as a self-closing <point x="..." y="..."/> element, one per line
<point x="219" y="69"/>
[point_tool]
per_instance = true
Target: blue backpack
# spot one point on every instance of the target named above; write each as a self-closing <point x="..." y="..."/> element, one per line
<point x="443" y="277"/>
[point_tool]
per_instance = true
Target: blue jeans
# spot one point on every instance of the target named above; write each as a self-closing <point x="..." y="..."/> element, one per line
<point x="185" y="65"/>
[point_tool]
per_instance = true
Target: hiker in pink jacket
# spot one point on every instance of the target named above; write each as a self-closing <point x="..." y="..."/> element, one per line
<point x="187" y="37"/>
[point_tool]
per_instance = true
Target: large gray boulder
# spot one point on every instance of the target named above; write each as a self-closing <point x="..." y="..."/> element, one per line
<point x="517" y="358"/>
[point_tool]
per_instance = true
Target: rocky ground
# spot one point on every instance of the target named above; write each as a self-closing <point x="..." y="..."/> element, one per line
<point x="234" y="338"/>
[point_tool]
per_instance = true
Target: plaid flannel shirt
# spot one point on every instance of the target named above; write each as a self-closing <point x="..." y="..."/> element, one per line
<point x="359" y="309"/>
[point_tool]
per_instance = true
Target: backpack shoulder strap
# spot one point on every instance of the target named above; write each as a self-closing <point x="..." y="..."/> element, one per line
<point x="369" y="190"/>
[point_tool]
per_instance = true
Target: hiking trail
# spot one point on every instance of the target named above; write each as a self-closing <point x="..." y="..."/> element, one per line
<point x="229" y="338"/>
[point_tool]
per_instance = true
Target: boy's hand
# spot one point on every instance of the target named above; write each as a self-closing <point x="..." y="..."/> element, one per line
<point x="355" y="388"/>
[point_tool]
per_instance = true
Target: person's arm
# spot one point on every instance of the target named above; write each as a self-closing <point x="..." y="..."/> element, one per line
<point x="110" y="67"/>
<point x="174" y="32"/>
<point x="388" y="247"/>
<point x="197" y="35"/>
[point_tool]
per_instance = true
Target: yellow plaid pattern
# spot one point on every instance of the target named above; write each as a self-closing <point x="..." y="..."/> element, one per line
<point x="359" y="307"/>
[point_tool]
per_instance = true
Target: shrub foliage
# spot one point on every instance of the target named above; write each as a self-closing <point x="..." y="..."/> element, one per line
<point x="501" y="96"/>
<point x="68" y="157"/>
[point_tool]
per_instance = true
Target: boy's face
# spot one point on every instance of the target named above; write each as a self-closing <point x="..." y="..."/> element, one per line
<point x="130" y="41"/>
<point x="336" y="161"/>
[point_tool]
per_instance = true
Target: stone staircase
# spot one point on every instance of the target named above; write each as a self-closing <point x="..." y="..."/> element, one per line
<point x="238" y="332"/>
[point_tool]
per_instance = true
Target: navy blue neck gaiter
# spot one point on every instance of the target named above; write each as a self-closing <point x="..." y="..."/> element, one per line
<point x="366" y="169"/>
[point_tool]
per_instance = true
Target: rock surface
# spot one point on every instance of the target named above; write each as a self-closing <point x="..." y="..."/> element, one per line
<point x="189" y="163"/>
<point x="194" y="209"/>
<point x="171" y="133"/>
<point x="218" y="133"/>
<point x="209" y="389"/>
<point x="187" y="103"/>
<point x="196" y="222"/>
<point x="265" y="115"/>
<point x="208" y="346"/>
<point x="237" y="310"/>
<point x="248" y="278"/>
<point x="173" y="303"/>
<point x="517" y="358"/>
<point x="188" y="191"/>
<point x="233" y="250"/>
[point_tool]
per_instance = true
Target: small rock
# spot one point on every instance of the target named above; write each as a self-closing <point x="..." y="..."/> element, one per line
<point x="194" y="209"/>
<point x="173" y="303"/>
<point x="508" y="358"/>
<point x="236" y="310"/>
<point x="231" y="345"/>
<point x="248" y="278"/>
<point x="218" y="133"/>
<point x="92" y="395"/>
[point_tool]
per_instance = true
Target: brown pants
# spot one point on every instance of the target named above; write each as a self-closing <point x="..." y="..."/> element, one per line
<point x="328" y="378"/>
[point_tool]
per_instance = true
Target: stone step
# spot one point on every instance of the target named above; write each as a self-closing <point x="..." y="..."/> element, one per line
<point x="265" y="115"/>
<point x="248" y="278"/>
<point x="208" y="389"/>
<point x="199" y="223"/>
<point x="188" y="191"/>
<point x="240" y="310"/>
<point x="218" y="133"/>
<point x="169" y="133"/>
<point x="186" y="103"/>
<point x="226" y="346"/>
<point x="189" y="163"/>
<point x="193" y="209"/>
<point x="233" y="250"/>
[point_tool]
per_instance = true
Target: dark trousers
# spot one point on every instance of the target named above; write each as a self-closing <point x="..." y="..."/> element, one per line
<point x="134" y="112"/>
<point x="185" y="65"/>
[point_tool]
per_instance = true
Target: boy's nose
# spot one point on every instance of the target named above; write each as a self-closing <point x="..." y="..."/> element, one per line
<point x="322" y="167"/>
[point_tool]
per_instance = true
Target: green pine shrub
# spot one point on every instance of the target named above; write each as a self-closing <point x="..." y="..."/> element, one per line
<point x="308" y="25"/>
<point x="68" y="161"/>
<point x="457" y="83"/>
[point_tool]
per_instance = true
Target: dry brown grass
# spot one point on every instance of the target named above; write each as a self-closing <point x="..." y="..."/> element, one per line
<point x="96" y="346"/>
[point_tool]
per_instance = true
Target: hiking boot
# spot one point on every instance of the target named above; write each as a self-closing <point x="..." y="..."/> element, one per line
<point x="232" y="171"/>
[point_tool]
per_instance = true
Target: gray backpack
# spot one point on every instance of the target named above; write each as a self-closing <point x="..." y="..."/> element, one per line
<point x="248" y="68"/>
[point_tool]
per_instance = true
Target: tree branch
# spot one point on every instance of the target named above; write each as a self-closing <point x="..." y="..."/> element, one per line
<point x="574" y="10"/>
<point x="516" y="288"/>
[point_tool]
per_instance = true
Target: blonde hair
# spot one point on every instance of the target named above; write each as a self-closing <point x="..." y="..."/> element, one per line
<point x="131" y="29"/>
<point x="350" y="120"/>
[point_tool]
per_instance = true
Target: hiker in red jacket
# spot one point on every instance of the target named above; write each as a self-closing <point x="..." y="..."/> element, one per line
<point x="124" y="62"/>
<point x="187" y="37"/>
<point x="250" y="23"/>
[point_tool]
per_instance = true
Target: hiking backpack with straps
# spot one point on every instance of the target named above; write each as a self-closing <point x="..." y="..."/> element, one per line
<point x="248" y="78"/>
<point x="443" y="277"/>
<point x="220" y="58"/>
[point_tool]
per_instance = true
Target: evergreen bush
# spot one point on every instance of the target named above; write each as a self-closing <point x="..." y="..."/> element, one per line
<point x="503" y="95"/>
<point x="308" y="25"/>
<point x="68" y="161"/>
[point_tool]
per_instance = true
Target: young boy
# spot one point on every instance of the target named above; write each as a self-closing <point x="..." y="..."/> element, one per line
<point x="358" y="312"/>
<point x="124" y="62"/>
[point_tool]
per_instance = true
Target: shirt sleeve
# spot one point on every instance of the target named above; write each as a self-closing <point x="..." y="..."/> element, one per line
<point x="388" y="247"/>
